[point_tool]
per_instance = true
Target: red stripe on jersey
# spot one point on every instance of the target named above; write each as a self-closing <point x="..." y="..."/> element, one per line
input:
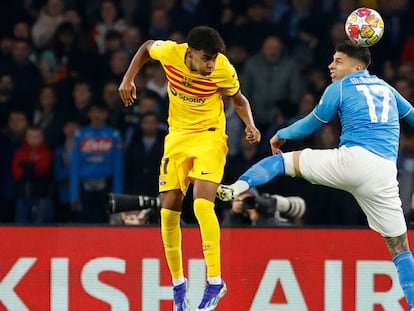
<point x="172" y="80"/>
<point x="177" y="86"/>
<point x="180" y="75"/>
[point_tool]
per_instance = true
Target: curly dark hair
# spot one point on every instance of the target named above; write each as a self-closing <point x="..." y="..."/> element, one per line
<point x="360" y="53"/>
<point x="207" y="39"/>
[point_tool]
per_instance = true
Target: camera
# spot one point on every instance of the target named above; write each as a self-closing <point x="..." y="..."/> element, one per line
<point x="276" y="205"/>
<point x="118" y="203"/>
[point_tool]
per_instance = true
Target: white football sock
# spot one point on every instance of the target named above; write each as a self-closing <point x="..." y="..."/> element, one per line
<point x="240" y="186"/>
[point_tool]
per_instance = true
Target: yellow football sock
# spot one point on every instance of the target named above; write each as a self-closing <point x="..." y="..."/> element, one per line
<point x="171" y="237"/>
<point x="210" y="235"/>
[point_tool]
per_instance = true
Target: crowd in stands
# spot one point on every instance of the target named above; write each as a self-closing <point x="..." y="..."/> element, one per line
<point x="61" y="62"/>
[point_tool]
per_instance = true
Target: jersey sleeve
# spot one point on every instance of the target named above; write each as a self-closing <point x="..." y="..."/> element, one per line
<point x="329" y="103"/>
<point x="161" y="49"/>
<point x="230" y="83"/>
<point x="300" y="128"/>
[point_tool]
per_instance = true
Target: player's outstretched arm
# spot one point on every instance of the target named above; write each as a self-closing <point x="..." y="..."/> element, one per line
<point x="127" y="90"/>
<point x="244" y="111"/>
<point x="296" y="130"/>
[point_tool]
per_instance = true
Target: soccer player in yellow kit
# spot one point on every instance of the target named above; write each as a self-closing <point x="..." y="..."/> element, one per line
<point x="196" y="146"/>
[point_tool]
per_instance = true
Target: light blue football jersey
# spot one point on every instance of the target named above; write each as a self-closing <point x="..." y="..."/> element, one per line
<point x="369" y="110"/>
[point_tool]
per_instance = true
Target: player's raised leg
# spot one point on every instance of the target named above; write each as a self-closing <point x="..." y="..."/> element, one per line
<point x="259" y="174"/>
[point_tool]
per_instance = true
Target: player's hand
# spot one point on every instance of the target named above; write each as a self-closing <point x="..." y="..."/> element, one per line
<point x="128" y="92"/>
<point x="275" y="144"/>
<point x="252" y="134"/>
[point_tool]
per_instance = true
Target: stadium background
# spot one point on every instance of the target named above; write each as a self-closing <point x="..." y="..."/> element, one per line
<point x="308" y="31"/>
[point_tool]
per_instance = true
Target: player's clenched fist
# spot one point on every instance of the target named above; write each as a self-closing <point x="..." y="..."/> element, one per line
<point x="128" y="92"/>
<point x="252" y="134"/>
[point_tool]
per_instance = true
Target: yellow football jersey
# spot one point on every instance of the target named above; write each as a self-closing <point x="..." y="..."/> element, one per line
<point x="195" y="101"/>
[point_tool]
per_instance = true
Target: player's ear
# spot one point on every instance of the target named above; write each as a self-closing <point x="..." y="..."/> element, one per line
<point x="189" y="53"/>
<point x="359" y="67"/>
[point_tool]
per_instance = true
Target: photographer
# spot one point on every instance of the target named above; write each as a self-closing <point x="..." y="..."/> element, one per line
<point x="252" y="209"/>
<point x="137" y="210"/>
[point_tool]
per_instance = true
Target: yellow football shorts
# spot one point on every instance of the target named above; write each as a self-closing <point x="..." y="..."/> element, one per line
<point x="189" y="156"/>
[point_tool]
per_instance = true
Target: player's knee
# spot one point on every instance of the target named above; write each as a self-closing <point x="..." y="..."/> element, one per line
<point x="202" y="207"/>
<point x="172" y="200"/>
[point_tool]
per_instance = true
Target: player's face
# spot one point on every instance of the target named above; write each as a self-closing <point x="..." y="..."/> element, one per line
<point x="201" y="61"/>
<point x="342" y="65"/>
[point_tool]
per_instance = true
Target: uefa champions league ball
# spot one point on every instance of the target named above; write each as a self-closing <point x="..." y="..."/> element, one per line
<point x="364" y="27"/>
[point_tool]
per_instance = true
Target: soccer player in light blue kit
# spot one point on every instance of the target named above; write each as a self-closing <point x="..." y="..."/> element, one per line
<point x="365" y="162"/>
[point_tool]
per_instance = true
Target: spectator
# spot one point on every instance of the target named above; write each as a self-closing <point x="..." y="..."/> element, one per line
<point x="82" y="99"/>
<point x="398" y="20"/>
<point x="46" y="23"/>
<point x="11" y="137"/>
<point x="405" y="87"/>
<point x="6" y="46"/>
<point x="160" y="26"/>
<point x="118" y="116"/>
<point x="21" y="30"/>
<point x="109" y="20"/>
<point x="406" y="167"/>
<point x="157" y="82"/>
<point x="300" y="17"/>
<point x="328" y="40"/>
<point x="234" y="128"/>
<point x="177" y="36"/>
<point x="66" y="58"/>
<point x="132" y="39"/>
<point x="84" y="40"/>
<point x="252" y="209"/>
<point x="408" y="51"/>
<point x="235" y="165"/>
<point x="328" y="136"/>
<point x="146" y="103"/>
<point x="6" y="98"/>
<point x="48" y="117"/>
<point x="286" y="115"/>
<point x="252" y="32"/>
<point x="113" y="43"/>
<point x="316" y="81"/>
<point x="118" y="63"/>
<point x="397" y="16"/>
<point x="96" y="166"/>
<point x="343" y="9"/>
<point x="405" y="70"/>
<point x="143" y="157"/>
<point x="62" y="163"/>
<point x="157" y="85"/>
<point x="269" y="76"/>
<point x="306" y="105"/>
<point x="130" y="209"/>
<point x="238" y="55"/>
<point x="189" y="13"/>
<point x="389" y="71"/>
<point x="32" y="168"/>
<point x="23" y="70"/>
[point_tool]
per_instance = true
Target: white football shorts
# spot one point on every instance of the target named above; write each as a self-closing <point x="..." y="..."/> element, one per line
<point x="371" y="179"/>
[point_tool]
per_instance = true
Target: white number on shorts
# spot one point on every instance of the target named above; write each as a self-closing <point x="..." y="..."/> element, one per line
<point x="369" y="91"/>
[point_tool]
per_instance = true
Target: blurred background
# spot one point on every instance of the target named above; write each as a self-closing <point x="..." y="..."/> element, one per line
<point x="61" y="62"/>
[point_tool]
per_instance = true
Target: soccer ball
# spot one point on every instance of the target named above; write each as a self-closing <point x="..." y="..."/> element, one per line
<point x="364" y="27"/>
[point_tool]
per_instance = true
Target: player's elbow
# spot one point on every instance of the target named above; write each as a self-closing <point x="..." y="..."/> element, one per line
<point x="239" y="100"/>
